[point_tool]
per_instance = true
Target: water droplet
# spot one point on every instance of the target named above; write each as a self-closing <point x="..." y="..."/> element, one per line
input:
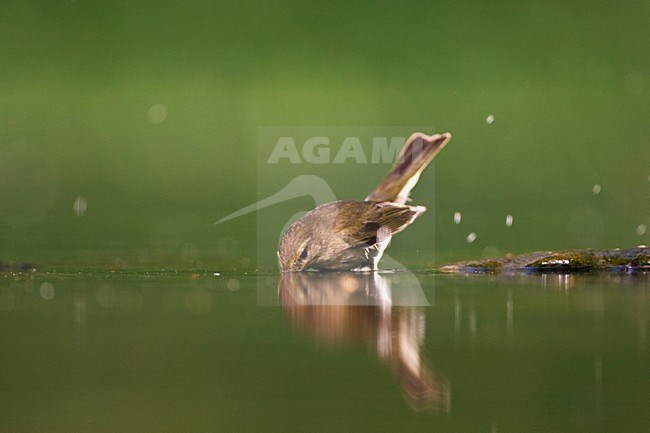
<point x="596" y="189"/>
<point x="489" y="119"/>
<point x="471" y="237"/>
<point x="157" y="114"/>
<point x="641" y="229"/>
<point x="457" y="217"/>
<point x="46" y="290"/>
<point x="232" y="285"/>
<point x="509" y="220"/>
<point x="79" y="206"/>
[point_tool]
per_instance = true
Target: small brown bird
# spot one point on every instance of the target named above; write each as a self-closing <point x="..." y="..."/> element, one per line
<point x="352" y="235"/>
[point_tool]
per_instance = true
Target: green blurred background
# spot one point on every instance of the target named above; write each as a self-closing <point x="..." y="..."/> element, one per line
<point x="128" y="128"/>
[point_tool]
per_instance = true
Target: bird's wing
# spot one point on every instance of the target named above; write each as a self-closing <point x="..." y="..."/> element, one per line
<point x="379" y="221"/>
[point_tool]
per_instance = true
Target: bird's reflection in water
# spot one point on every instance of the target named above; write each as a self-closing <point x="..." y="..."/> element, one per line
<point x="353" y="307"/>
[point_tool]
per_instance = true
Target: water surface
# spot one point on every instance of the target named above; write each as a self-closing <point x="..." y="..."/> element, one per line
<point x="198" y="352"/>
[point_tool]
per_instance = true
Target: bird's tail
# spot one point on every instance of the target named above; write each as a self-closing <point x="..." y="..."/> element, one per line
<point x="417" y="153"/>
